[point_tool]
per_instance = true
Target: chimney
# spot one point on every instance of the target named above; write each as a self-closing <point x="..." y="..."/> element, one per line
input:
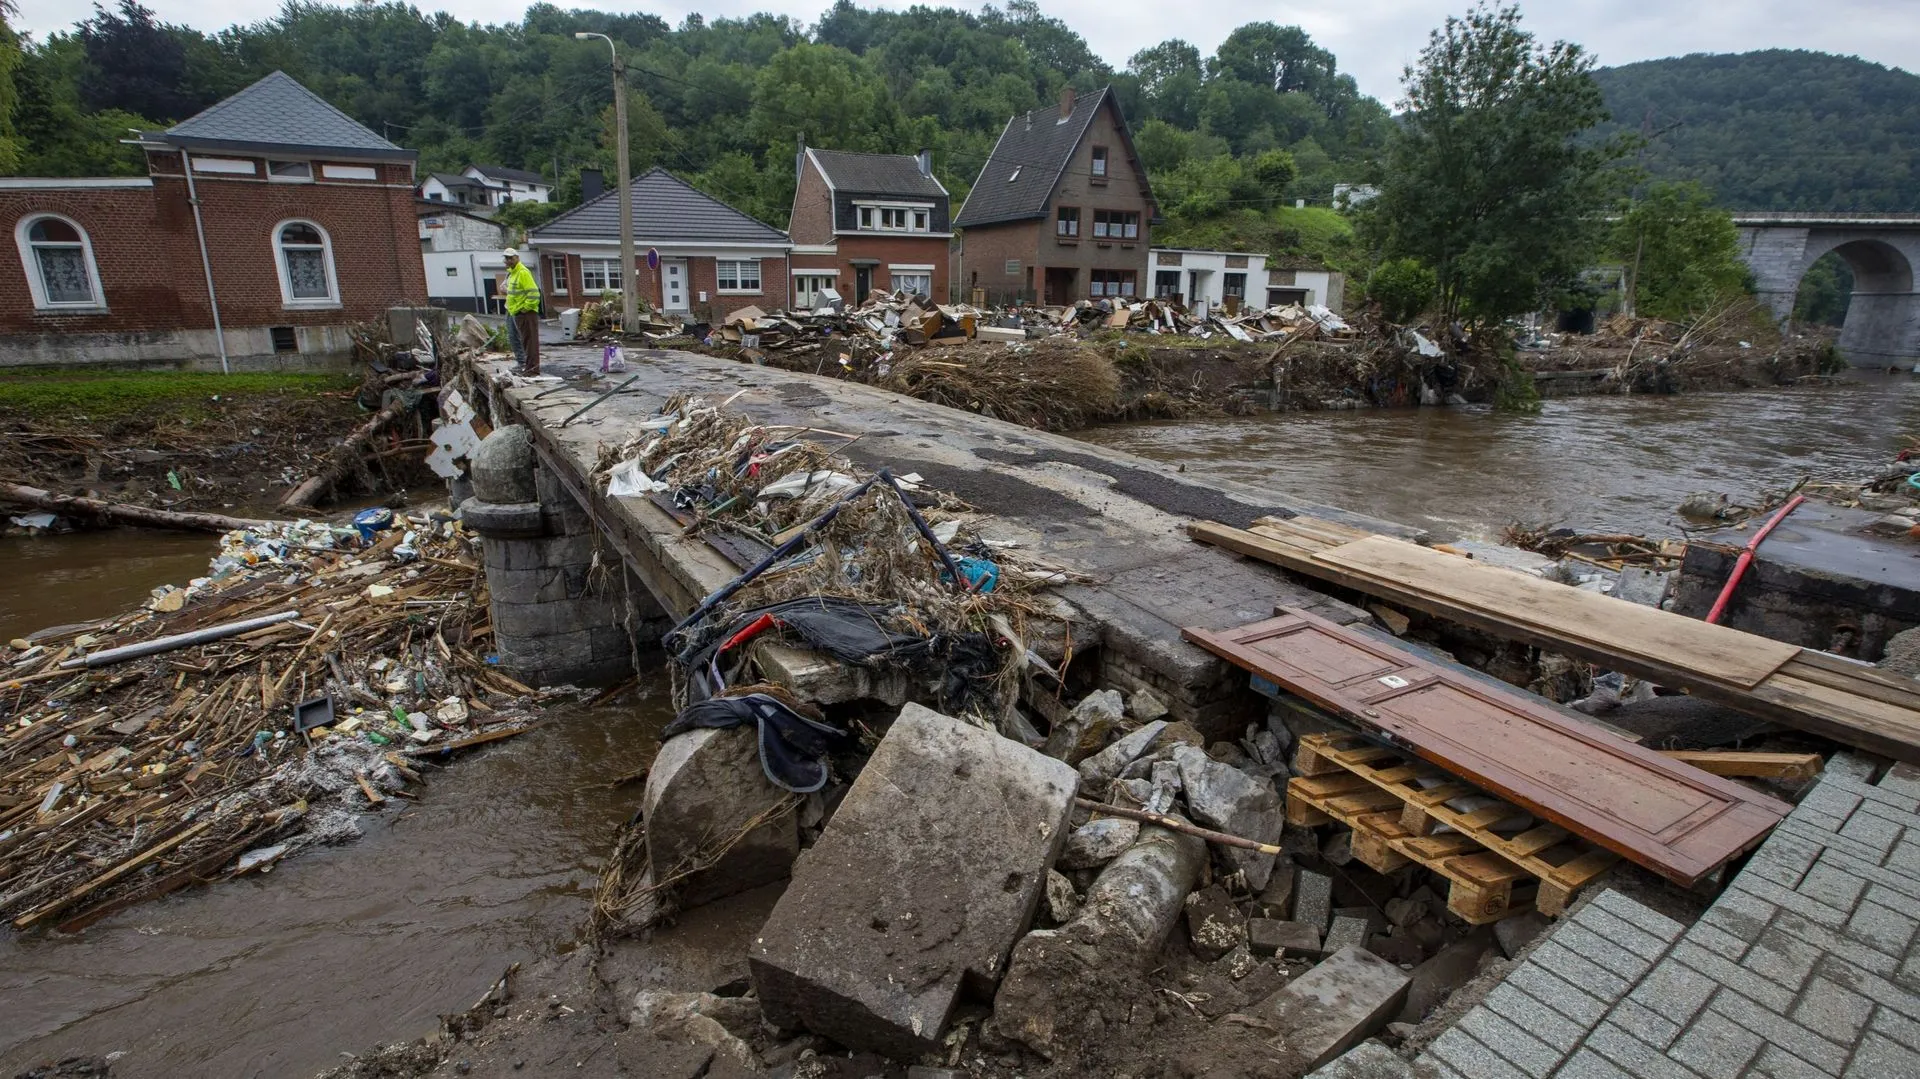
<point x="1066" y="102"/>
<point x="593" y="184"/>
<point x="799" y="158"/>
<point x="925" y="158"/>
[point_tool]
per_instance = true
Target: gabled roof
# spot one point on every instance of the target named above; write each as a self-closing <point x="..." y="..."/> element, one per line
<point x="519" y="176"/>
<point x="1025" y="166"/>
<point x="278" y="113"/>
<point x="666" y="209"/>
<point x="456" y="179"/>
<point x="875" y="174"/>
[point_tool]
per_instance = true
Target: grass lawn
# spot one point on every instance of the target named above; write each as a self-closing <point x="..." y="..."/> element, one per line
<point x="99" y="394"/>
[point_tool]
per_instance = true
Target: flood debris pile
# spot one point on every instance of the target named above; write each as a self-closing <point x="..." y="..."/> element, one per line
<point x="1730" y="346"/>
<point x="309" y="677"/>
<point x="861" y="588"/>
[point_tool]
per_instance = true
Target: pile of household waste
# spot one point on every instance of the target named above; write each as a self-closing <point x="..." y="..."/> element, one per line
<point x="878" y="573"/>
<point x="307" y="678"/>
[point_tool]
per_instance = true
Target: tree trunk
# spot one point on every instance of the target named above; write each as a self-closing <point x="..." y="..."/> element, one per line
<point x="340" y="460"/>
<point x="113" y="513"/>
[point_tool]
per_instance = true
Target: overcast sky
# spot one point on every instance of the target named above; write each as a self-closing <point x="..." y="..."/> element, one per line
<point x="1374" y="39"/>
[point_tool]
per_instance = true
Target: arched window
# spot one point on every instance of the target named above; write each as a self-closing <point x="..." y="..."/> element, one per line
<point x="304" y="254"/>
<point x="58" y="256"/>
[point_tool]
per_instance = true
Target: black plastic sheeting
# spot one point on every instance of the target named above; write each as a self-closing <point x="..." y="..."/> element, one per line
<point x="793" y="748"/>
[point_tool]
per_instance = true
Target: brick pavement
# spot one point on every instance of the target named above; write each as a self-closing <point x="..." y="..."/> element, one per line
<point x="1803" y="968"/>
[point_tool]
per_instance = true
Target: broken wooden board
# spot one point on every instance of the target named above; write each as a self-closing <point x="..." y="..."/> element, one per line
<point x="1628" y="629"/>
<point x="1826" y="695"/>
<point x="1789" y="767"/>
<point x="1676" y="820"/>
<point x="1562" y="863"/>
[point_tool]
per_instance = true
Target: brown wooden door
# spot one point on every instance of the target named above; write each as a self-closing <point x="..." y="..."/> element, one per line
<point x="1672" y="818"/>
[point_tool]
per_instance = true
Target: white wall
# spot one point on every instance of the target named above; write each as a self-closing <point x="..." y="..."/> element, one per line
<point x="1212" y="268"/>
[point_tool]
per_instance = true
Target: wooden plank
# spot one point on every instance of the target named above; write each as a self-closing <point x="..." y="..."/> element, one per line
<point x="1726" y="655"/>
<point x="1733" y="762"/>
<point x="1893" y="734"/>
<point x="1675" y="820"/>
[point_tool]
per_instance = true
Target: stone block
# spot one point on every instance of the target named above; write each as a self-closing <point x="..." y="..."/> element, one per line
<point x="1332" y="1007"/>
<point x="1347" y="933"/>
<point x="1111" y="761"/>
<point x="1085" y="730"/>
<point x="502" y="467"/>
<point x="709" y="783"/>
<point x="1368" y="1060"/>
<point x="1276" y="899"/>
<point x="1214" y="925"/>
<point x="1098" y="842"/>
<point x="1268" y="936"/>
<point x="503" y="520"/>
<point x="1513" y="934"/>
<point x="928" y="872"/>
<point x="1313" y="899"/>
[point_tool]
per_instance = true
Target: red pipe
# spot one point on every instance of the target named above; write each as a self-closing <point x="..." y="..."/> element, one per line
<point x="1746" y="558"/>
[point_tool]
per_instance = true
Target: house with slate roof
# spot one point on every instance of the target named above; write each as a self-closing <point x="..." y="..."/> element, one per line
<point x="697" y="256"/>
<point x="1061" y="211"/>
<point x="866" y="222"/>
<point x="265" y="228"/>
<point x="483" y="187"/>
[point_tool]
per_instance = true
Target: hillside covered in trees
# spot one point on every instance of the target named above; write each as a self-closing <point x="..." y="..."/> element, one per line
<point x="1777" y="129"/>
<point x="1231" y="139"/>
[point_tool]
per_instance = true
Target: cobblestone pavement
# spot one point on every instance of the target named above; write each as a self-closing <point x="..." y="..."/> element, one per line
<point x="1802" y="968"/>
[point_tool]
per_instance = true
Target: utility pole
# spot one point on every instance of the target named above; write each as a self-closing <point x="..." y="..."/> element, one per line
<point x="629" y="305"/>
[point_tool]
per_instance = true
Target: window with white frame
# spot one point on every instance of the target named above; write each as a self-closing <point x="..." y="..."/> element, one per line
<point x="737" y="275"/>
<point x="559" y="264"/>
<point x="600" y="275"/>
<point x="917" y="280"/>
<point x="58" y="256"/>
<point x="305" y="261"/>
<point x="1116" y="225"/>
<point x="894" y="218"/>
<point x="807" y="289"/>
<point x="290" y="171"/>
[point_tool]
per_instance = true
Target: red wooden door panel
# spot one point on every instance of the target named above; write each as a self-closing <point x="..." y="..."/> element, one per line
<point x="1672" y="818"/>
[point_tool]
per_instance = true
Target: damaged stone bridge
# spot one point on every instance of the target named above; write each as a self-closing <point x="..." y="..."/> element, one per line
<point x="1113" y="523"/>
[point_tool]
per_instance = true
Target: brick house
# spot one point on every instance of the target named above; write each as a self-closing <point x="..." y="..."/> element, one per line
<point x="266" y="226"/>
<point x="696" y="256"/>
<point x="1062" y="209"/>
<point x="863" y="222"/>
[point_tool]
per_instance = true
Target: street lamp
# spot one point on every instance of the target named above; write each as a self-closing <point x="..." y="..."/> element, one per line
<point x="629" y="312"/>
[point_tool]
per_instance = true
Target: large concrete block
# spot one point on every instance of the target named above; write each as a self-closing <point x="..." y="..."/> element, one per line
<point x="704" y="786"/>
<point x="1332" y="1007"/>
<point x="928" y="872"/>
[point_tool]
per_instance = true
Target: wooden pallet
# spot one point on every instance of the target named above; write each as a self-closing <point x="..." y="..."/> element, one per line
<point x="1356" y="773"/>
<point x="1482" y="887"/>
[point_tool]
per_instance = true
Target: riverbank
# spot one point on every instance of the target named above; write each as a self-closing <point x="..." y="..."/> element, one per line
<point x="181" y="440"/>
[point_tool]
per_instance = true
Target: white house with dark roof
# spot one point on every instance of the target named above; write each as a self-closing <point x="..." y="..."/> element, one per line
<point x="697" y="256"/>
<point x="267" y="225"/>
<point x="483" y="187"/>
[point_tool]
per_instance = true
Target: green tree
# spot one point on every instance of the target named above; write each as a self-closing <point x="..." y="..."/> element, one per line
<point x="1489" y="180"/>
<point x="1682" y="254"/>
<point x="1281" y="58"/>
<point x="11" y="147"/>
<point x="1826" y="291"/>
<point x="1403" y="288"/>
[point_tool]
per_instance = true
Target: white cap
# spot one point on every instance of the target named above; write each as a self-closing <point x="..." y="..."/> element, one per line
<point x="512" y="253"/>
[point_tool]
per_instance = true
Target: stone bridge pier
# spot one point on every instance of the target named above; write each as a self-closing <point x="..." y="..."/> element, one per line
<point x="565" y="607"/>
<point x="1883" y="320"/>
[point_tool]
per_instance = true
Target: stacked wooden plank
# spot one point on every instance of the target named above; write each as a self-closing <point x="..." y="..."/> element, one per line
<point x="1402" y="810"/>
<point x="1827" y="695"/>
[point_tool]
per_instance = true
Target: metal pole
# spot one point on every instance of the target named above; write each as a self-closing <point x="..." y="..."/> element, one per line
<point x="629" y="295"/>
<point x="206" y="264"/>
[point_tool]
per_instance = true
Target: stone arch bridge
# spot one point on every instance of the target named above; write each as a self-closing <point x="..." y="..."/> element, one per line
<point x="1883" y="322"/>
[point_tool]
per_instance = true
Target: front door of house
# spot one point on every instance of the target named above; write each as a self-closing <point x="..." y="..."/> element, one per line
<point x="673" y="284"/>
<point x="862" y="283"/>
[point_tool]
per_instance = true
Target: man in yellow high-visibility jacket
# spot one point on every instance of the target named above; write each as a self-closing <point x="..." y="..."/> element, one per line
<point x="523" y="314"/>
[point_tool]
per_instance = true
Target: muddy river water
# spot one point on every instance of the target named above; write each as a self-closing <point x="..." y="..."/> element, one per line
<point x="345" y="947"/>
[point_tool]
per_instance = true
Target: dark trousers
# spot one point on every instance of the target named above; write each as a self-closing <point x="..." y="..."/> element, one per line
<point x="527" y="325"/>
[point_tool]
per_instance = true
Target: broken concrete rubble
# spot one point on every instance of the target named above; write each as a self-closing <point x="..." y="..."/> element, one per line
<point x="1102" y="767"/>
<point x="1085" y="730"/>
<point x="1215" y="925"/>
<point x="707" y="785"/>
<point x="1224" y="797"/>
<point x="928" y="871"/>
<point x="1098" y="842"/>
<point x="1328" y="1010"/>
<point x="1056" y="975"/>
